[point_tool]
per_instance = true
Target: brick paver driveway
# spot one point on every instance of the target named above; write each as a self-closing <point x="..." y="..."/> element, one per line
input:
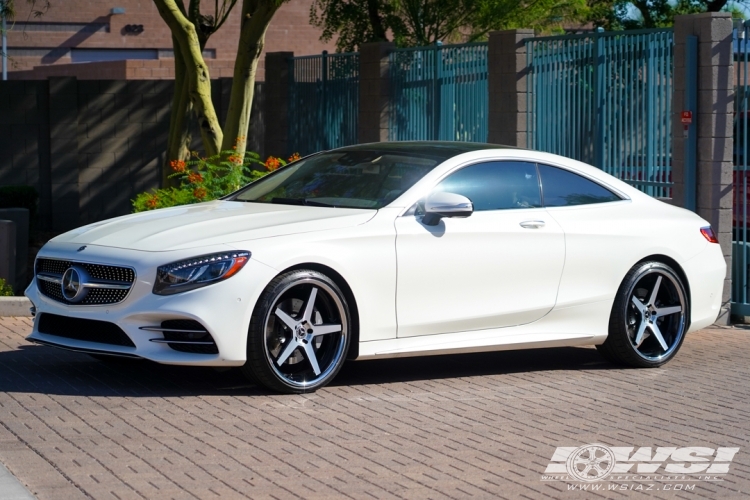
<point x="483" y="425"/>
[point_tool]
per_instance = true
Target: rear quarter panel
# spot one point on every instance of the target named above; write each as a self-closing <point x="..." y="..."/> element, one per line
<point x="604" y="241"/>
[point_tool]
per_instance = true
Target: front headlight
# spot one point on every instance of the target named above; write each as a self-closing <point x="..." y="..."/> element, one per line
<point x="200" y="271"/>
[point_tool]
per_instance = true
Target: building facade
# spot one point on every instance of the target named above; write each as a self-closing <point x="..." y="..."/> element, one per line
<point x="127" y="39"/>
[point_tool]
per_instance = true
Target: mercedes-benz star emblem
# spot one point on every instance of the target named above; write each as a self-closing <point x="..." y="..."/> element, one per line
<point x="72" y="285"/>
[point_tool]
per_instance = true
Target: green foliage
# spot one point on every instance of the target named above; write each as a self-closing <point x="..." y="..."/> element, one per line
<point x="37" y="8"/>
<point x="163" y="198"/>
<point x="414" y="23"/>
<point x="618" y="14"/>
<point x="20" y="197"/>
<point x="5" y="289"/>
<point x="206" y="179"/>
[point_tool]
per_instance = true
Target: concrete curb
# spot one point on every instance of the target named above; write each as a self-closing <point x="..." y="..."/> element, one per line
<point x="11" y="487"/>
<point x="15" y="306"/>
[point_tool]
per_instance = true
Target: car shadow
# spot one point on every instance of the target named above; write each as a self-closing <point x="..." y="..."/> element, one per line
<point x="386" y="371"/>
<point x="47" y="370"/>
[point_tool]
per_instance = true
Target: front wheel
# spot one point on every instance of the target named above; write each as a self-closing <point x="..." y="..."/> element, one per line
<point x="649" y="317"/>
<point x="299" y="333"/>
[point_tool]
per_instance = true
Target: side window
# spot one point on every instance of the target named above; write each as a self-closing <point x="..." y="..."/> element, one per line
<point x="561" y="188"/>
<point x="497" y="185"/>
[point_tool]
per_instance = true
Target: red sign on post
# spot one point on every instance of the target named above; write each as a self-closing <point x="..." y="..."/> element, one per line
<point x="687" y="117"/>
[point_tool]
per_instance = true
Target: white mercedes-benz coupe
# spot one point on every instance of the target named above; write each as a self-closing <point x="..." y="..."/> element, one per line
<point x="386" y="250"/>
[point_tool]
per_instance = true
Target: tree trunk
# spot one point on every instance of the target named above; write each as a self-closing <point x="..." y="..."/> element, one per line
<point x="378" y="31"/>
<point x="196" y="73"/>
<point x="256" y="17"/>
<point x="716" y="5"/>
<point x="178" y="145"/>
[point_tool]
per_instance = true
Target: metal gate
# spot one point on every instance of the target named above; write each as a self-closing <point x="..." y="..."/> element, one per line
<point x="740" y="212"/>
<point x="323" y="101"/>
<point x="605" y="98"/>
<point x="439" y="93"/>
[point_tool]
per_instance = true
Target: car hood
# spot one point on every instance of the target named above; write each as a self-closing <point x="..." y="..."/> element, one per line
<point x="211" y="223"/>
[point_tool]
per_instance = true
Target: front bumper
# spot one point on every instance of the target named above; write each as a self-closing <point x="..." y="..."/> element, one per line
<point x="224" y="308"/>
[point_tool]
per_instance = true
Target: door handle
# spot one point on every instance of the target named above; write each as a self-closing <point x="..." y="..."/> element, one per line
<point x="532" y="224"/>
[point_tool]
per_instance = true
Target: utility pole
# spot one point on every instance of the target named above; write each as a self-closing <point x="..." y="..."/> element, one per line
<point x="5" y="42"/>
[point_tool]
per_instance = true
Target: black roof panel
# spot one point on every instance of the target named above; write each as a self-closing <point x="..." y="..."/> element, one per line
<point x="440" y="149"/>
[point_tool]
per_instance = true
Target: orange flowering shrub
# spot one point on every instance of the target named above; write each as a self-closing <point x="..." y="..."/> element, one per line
<point x="206" y="179"/>
<point x="272" y="163"/>
<point x="177" y="165"/>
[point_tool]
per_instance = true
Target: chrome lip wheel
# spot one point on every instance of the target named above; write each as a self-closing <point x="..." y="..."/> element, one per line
<point x="305" y="333"/>
<point x="655" y="319"/>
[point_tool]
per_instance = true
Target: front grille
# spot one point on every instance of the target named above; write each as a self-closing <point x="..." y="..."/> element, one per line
<point x="96" y="296"/>
<point x="88" y="330"/>
<point x="190" y="331"/>
<point x="99" y="272"/>
<point x="111" y="273"/>
<point x="51" y="266"/>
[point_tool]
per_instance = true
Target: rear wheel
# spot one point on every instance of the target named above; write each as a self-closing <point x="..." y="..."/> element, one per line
<point x="299" y="333"/>
<point x="649" y="317"/>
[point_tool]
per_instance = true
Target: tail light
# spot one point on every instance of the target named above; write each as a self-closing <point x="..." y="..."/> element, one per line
<point x="709" y="234"/>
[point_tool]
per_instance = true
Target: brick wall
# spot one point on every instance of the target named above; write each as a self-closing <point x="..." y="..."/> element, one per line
<point x="130" y="69"/>
<point x="290" y="30"/>
<point x="90" y="146"/>
<point x="24" y="136"/>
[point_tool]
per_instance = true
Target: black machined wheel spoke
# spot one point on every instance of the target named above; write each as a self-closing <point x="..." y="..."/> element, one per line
<point x="658" y="313"/>
<point x="309" y="320"/>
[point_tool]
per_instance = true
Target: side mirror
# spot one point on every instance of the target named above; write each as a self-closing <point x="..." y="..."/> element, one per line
<point x="440" y="204"/>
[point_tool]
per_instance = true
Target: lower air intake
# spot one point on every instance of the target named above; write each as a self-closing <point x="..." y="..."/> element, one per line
<point x="88" y="330"/>
<point x="189" y="331"/>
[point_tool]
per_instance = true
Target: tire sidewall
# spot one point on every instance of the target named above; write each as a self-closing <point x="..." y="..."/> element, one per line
<point x="617" y="321"/>
<point x="257" y="358"/>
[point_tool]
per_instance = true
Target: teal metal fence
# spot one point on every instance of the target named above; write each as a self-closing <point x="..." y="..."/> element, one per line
<point x="439" y="93"/>
<point x="323" y="101"/>
<point x="605" y="98"/>
<point x="740" y="212"/>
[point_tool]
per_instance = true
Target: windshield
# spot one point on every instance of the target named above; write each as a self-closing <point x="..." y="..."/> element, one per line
<point x="347" y="179"/>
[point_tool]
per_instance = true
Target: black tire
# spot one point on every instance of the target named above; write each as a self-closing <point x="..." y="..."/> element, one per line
<point x="280" y="344"/>
<point x="629" y="342"/>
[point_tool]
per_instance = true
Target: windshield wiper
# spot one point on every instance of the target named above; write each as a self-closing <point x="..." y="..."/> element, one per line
<point x="300" y="201"/>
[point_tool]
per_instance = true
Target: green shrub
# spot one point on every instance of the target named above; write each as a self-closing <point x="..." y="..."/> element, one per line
<point x="20" y="197"/>
<point x="5" y="289"/>
<point x="206" y="179"/>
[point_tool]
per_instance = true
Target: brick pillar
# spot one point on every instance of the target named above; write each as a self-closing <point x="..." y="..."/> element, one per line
<point x="507" y="87"/>
<point x="44" y="213"/>
<point x="8" y="255"/>
<point x="374" y="99"/>
<point x="277" y="104"/>
<point x="714" y="126"/>
<point x="20" y="219"/>
<point x="63" y="145"/>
